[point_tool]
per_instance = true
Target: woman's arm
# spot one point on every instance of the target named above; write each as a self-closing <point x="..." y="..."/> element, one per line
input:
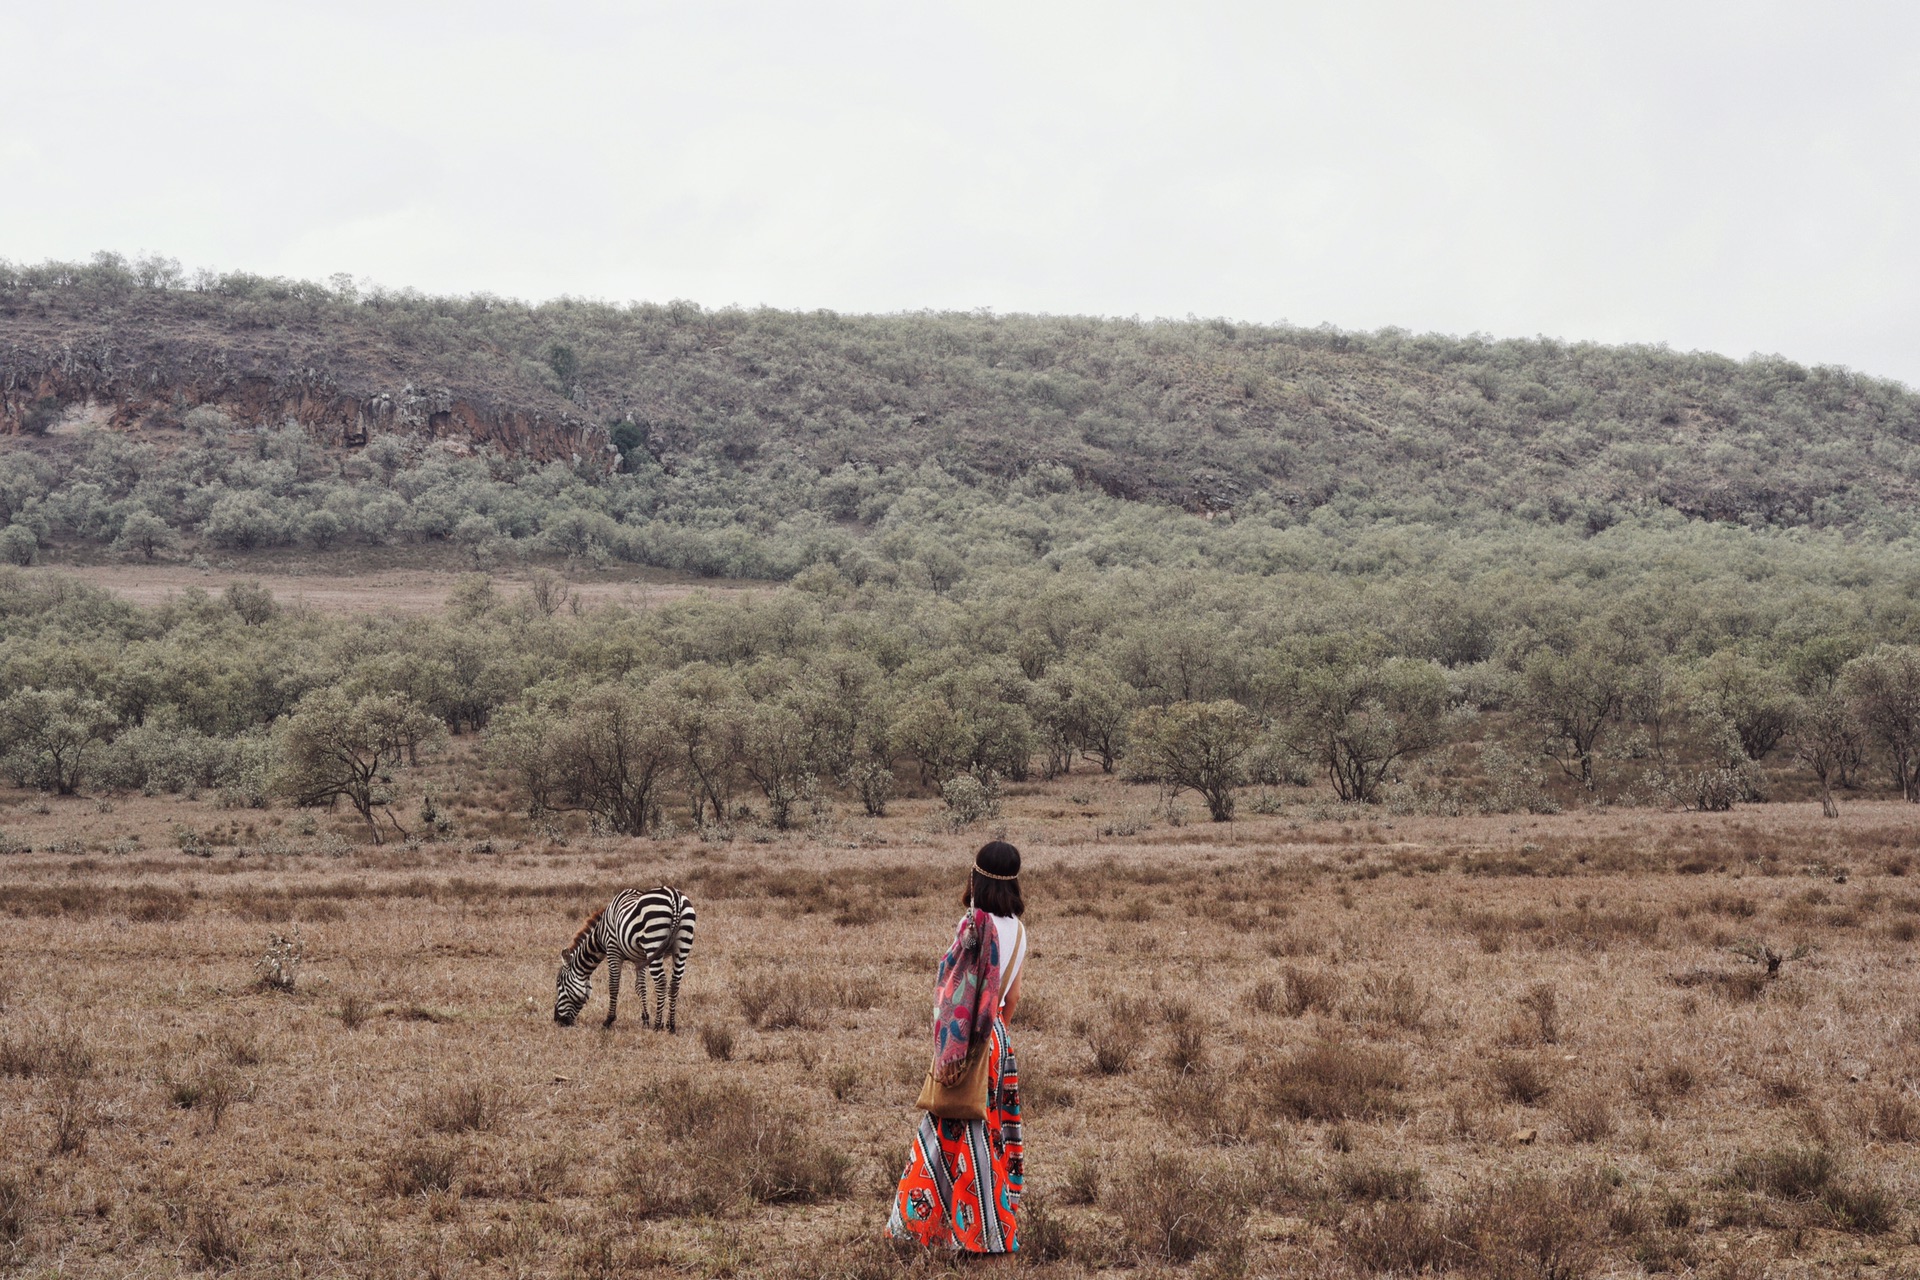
<point x="1010" y="1000"/>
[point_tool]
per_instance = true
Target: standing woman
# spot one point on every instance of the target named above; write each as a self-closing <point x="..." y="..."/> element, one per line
<point x="962" y="1185"/>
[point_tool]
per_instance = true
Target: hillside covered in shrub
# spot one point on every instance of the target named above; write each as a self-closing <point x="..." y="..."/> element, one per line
<point x="1436" y="572"/>
<point x="756" y="442"/>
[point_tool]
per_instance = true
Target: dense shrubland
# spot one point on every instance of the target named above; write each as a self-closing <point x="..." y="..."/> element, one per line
<point x="1504" y="693"/>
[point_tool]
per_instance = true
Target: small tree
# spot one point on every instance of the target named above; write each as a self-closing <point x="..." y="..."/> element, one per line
<point x="1198" y="746"/>
<point x="1756" y="703"/>
<point x="18" y="544"/>
<point x="1825" y="737"/>
<point x="252" y="602"/>
<point x="607" y="752"/>
<point x="1884" y="689"/>
<point x="1357" y="723"/>
<point x="1572" y="697"/>
<point x="776" y="758"/>
<point x="51" y="734"/>
<point x="322" y="528"/>
<point x="335" y="747"/>
<point x="144" y="534"/>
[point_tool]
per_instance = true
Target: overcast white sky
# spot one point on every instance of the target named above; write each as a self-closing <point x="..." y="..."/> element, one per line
<point x="1734" y="176"/>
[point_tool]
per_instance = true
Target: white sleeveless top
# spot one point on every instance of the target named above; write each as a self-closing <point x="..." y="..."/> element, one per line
<point x="1011" y="962"/>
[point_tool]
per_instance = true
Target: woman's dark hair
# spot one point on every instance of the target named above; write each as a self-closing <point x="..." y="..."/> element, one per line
<point x="995" y="897"/>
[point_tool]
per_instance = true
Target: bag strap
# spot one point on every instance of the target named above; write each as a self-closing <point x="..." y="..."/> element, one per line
<point x="1020" y="965"/>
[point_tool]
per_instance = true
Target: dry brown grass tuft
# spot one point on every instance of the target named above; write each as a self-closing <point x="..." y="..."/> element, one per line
<point x="725" y="1146"/>
<point x="1587" y="1117"/>
<point x="1519" y="1078"/>
<point x="1335" y="1081"/>
<point x="1528" y="1228"/>
<point x="716" y="1038"/>
<point x="352" y="1010"/>
<point x="465" y="1106"/>
<point x="16" y="1208"/>
<point x="61" y="1054"/>
<point x="1310" y="991"/>
<point x="424" y="1167"/>
<point x="213" y="1238"/>
<point x="1175" y="1208"/>
<point x="1812" y="1175"/>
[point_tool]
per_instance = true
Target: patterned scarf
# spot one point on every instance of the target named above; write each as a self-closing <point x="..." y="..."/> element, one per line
<point x="966" y="994"/>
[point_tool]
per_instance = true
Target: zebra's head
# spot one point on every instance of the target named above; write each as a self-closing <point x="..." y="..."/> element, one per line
<point x="570" y="989"/>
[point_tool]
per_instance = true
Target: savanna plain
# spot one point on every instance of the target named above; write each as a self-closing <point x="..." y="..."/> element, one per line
<point x="1595" y="1043"/>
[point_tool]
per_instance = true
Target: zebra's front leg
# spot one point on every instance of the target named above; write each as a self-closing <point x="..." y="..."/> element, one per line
<point x="657" y="970"/>
<point x="613" y="991"/>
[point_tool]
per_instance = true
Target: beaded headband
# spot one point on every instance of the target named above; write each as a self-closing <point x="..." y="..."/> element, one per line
<point x="982" y="871"/>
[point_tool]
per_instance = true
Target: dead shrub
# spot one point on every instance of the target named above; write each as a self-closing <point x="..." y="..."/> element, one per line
<point x="237" y="1047"/>
<point x="843" y="1082"/>
<point x="1175" y="1209"/>
<point x="1519" y="1079"/>
<point x="1395" y="1000"/>
<point x="1045" y="1235"/>
<point x="1541" y="1005"/>
<point x="1366" y="1182"/>
<point x="1336" y="1081"/>
<point x="210" y="1093"/>
<point x="467" y="1106"/>
<point x="1528" y="1228"/>
<point x="1082" y="1185"/>
<point x="1400" y="1239"/>
<point x="1310" y="991"/>
<point x="1812" y="1175"/>
<point x="1889" y="1115"/>
<point x="62" y="1055"/>
<point x="1207" y="1105"/>
<point x="771" y="1003"/>
<point x="1111" y="1042"/>
<point x="424" y="1168"/>
<point x="543" y="1175"/>
<point x="1533" y="1228"/>
<point x="73" y="1116"/>
<point x="213" y="1238"/>
<point x="15" y="1210"/>
<point x="725" y="1145"/>
<point x="1186" y="1047"/>
<point x="1587" y="1117"/>
<point x="1791" y="1173"/>
<point x="352" y="1010"/>
<point x="717" y="1039"/>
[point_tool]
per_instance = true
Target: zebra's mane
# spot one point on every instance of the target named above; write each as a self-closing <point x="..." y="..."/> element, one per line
<point x="585" y="929"/>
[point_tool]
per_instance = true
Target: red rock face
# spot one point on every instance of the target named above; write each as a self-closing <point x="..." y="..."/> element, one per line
<point x="150" y="381"/>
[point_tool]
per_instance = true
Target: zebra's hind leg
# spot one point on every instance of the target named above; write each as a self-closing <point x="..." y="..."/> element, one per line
<point x="657" y="968"/>
<point x="682" y="948"/>
<point x="646" y="995"/>
<point x="613" y="991"/>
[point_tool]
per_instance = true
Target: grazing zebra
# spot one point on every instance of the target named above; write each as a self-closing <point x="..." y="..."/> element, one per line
<point x="641" y="927"/>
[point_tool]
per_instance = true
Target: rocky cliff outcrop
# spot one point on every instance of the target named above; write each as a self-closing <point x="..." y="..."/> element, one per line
<point x="144" y="381"/>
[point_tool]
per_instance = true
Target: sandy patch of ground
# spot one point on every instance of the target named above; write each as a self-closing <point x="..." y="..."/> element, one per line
<point x="374" y="589"/>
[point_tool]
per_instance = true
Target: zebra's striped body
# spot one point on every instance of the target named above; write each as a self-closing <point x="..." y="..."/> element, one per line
<point x="646" y="928"/>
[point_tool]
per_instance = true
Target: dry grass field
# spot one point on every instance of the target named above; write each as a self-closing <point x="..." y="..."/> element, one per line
<point x="1498" y="1047"/>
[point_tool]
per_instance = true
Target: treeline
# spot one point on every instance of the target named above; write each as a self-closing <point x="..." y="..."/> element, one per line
<point x="779" y="706"/>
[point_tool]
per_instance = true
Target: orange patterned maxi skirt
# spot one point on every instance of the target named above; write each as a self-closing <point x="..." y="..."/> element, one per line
<point x="962" y="1184"/>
